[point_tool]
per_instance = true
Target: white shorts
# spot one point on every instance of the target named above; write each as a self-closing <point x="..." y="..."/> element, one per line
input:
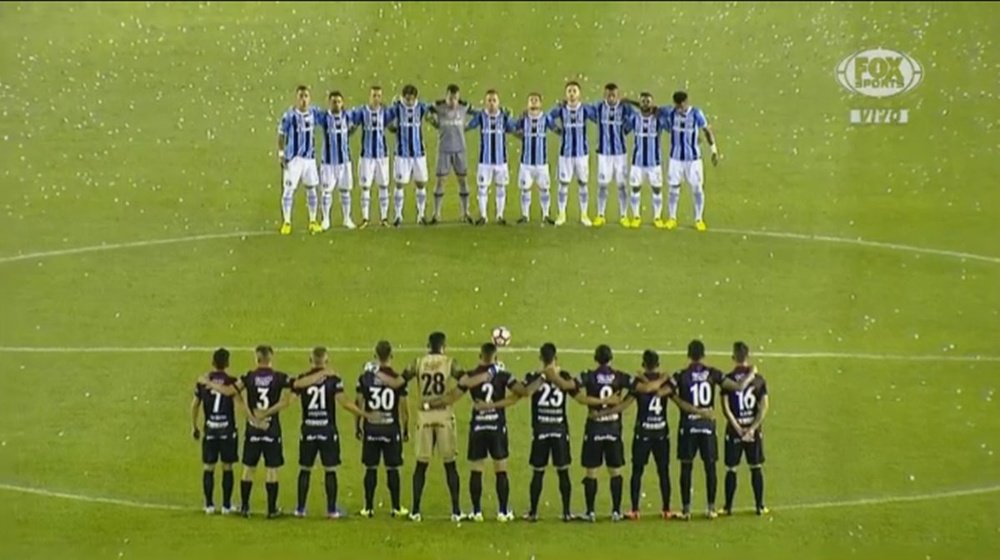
<point x="652" y="175"/>
<point x="337" y="176"/>
<point x="574" y="167"/>
<point x="489" y="174"/>
<point x="611" y="168"/>
<point x="690" y="171"/>
<point x="410" y="167"/>
<point x="373" y="169"/>
<point x="299" y="169"/>
<point x="529" y="175"/>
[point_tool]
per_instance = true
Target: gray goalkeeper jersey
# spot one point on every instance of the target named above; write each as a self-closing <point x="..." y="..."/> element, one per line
<point x="451" y="122"/>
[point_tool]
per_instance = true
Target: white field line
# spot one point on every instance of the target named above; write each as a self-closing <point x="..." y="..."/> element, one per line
<point x="749" y="233"/>
<point x="469" y="349"/>
<point x="789" y="507"/>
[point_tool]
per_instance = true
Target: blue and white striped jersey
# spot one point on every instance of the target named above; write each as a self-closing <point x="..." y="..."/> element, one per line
<point x="492" y="136"/>
<point x="336" y="144"/>
<point x="574" y="125"/>
<point x="298" y="128"/>
<point x="611" y="121"/>
<point x="373" y="123"/>
<point x="410" y="137"/>
<point x="646" y="129"/>
<point x="684" y="128"/>
<point x="534" y="141"/>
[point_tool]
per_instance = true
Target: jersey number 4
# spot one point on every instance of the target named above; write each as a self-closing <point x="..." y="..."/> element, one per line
<point x="656" y="405"/>
<point x="433" y="384"/>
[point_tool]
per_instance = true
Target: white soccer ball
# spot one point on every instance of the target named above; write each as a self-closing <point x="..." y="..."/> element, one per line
<point x="501" y="336"/>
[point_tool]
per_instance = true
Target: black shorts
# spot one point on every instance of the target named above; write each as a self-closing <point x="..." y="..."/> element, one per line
<point x="736" y="447"/>
<point x="546" y="446"/>
<point x="602" y="450"/>
<point x="327" y="446"/>
<point x="215" y="448"/>
<point x="488" y="442"/>
<point x="690" y="445"/>
<point x="387" y="448"/>
<point x="643" y="447"/>
<point x="268" y="446"/>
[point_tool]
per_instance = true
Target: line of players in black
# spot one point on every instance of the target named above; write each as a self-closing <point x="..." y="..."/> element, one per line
<point x="382" y="414"/>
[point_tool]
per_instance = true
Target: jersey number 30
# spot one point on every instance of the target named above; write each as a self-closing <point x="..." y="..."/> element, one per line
<point x="381" y="398"/>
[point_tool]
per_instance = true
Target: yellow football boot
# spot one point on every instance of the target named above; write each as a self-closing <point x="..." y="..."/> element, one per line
<point x="700" y="225"/>
<point x="671" y="223"/>
<point x="599" y="221"/>
<point x="286" y="229"/>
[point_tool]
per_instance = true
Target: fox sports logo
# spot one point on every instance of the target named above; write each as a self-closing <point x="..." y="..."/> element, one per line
<point x="879" y="72"/>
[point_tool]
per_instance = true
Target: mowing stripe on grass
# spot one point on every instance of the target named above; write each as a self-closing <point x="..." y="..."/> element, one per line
<point x="944" y="495"/>
<point x="469" y="349"/>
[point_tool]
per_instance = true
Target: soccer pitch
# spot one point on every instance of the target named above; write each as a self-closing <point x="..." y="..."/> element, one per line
<point x="141" y="198"/>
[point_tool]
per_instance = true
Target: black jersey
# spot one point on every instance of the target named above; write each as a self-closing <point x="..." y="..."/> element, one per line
<point x="602" y="383"/>
<point x="380" y="399"/>
<point x="548" y="404"/>
<point x="745" y="404"/>
<point x="318" y="403"/>
<point x="494" y="389"/>
<point x="264" y="386"/>
<point x="220" y="412"/>
<point x="696" y="385"/>
<point x="651" y="411"/>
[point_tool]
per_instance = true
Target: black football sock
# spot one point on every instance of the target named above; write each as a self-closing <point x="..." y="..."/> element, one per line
<point x="272" y="496"/>
<point x="331" y="491"/>
<point x="392" y="478"/>
<point x="463" y="195"/>
<point x="665" y="487"/>
<point x="616" y="493"/>
<point x="536" y="490"/>
<point x="303" y="489"/>
<point x="227" y="489"/>
<point x="686" y="486"/>
<point x="590" y="493"/>
<point x="208" y="486"/>
<point x="503" y="491"/>
<point x="757" y="481"/>
<point x="730" y="489"/>
<point x="711" y="483"/>
<point x="476" y="491"/>
<point x="438" y="196"/>
<point x="245" y="487"/>
<point x="371" y="481"/>
<point x="635" y="486"/>
<point x="454" y="487"/>
<point x="565" y="490"/>
<point x="419" y="475"/>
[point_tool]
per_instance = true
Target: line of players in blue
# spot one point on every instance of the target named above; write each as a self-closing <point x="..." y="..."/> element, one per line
<point x="382" y="413"/>
<point x="614" y="116"/>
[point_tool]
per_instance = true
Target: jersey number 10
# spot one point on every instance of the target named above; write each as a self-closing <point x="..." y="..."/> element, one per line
<point x="701" y="394"/>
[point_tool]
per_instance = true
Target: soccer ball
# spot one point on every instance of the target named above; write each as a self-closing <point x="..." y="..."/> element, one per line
<point x="501" y="336"/>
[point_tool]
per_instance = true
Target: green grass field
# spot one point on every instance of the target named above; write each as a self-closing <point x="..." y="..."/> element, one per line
<point x="124" y="125"/>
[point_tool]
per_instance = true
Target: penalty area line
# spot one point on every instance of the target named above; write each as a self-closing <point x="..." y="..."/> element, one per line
<point x="513" y="350"/>
<point x="944" y="495"/>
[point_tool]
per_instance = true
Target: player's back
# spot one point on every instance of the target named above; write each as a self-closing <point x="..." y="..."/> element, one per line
<point x="318" y="402"/>
<point x="381" y="400"/>
<point x="745" y="404"/>
<point x="651" y="409"/>
<point x="696" y="385"/>
<point x="451" y="126"/>
<point x="219" y="409"/>
<point x="494" y="389"/>
<point x="264" y="386"/>
<point x="548" y="405"/>
<point x="436" y="374"/>
<point x="602" y="383"/>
